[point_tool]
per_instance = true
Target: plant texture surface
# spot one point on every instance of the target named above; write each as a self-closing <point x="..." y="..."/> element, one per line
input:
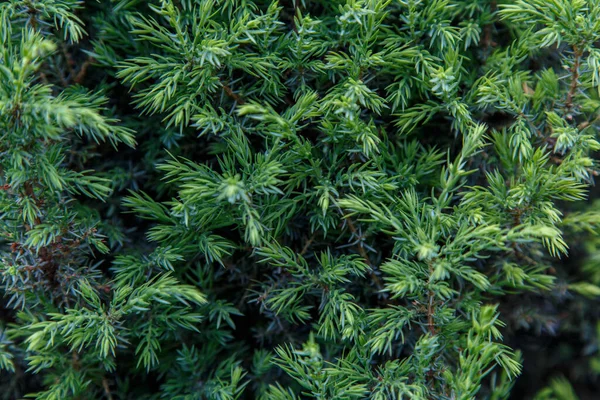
<point x="299" y="199"/>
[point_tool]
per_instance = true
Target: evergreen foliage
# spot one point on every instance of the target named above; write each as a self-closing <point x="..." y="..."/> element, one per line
<point x="329" y="199"/>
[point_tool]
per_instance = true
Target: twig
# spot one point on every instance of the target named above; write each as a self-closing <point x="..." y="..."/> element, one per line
<point x="106" y="388"/>
<point x="236" y="97"/>
<point x="32" y="17"/>
<point x="486" y="40"/>
<point x="82" y="71"/>
<point x="430" y="312"/>
<point x="69" y="60"/>
<point x="308" y="243"/>
<point x="430" y="306"/>
<point x="44" y="78"/>
<point x="75" y="361"/>
<point x="574" y="79"/>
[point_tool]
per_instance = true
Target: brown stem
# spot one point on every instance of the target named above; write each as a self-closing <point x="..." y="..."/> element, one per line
<point x="29" y="191"/>
<point x="83" y="70"/>
<point x="75" y="361"/>
<point x="520" y="255"/>
<point x="307" y="244"/>
<point x="106" y="388"/>
<point x="68" y="60"/>
<point x="431" y="306"/>
<point x="430" y="312"/>
<point x="44" y="78"/>
<point x="232" y="94"/>
<point x="574" y="79"/>
<point x="486" y="40"/>
<point x="32" y="18"/>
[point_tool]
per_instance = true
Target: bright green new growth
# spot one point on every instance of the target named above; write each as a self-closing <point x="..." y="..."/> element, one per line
<point x="334" y="199"/>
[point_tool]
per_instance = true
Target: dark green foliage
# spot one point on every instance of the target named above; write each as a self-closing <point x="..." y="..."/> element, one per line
<point x="331" y="199"/>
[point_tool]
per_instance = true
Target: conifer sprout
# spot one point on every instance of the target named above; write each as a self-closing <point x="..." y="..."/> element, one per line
<point x="299" y="199"/>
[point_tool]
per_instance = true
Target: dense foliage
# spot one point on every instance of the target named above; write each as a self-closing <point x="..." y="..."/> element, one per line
<point x="329" y="199"/>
